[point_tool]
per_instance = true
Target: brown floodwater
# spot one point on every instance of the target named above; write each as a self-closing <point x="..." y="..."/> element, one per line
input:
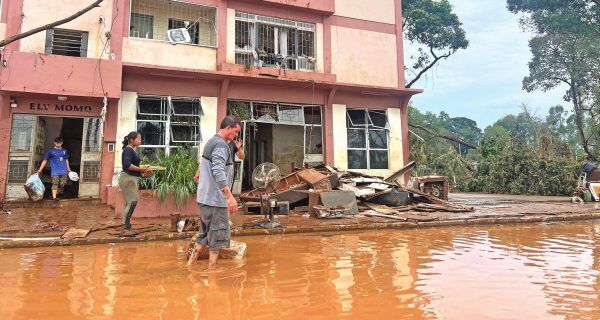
<point x="498" y="272"/>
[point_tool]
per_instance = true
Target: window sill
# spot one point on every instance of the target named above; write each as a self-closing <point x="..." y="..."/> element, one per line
<point x="177" y="44"/>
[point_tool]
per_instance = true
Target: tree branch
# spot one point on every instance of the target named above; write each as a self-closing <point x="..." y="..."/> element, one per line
<point x="19" y="36"/>
<point x="444" y="136"/>
<point x="429" y="66"/>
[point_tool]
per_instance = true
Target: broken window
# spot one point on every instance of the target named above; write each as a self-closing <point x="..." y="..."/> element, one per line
<point x="274" y="42"/>
<point x="66" y="42"/>
<point x="367" y="139"/>
<point x="151" y="19"/>
<point x="167" y="123"/>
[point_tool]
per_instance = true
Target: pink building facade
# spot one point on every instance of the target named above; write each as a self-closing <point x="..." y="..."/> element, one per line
<point x="319" y="81"/>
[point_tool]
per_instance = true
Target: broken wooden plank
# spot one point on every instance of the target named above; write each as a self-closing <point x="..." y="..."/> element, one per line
<point x="379" y="215"/>
<point x="400" y="172"/>
<point x="311" y="176"/>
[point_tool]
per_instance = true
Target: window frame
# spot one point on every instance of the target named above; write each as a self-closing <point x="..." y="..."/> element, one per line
<point x="167" y="112"/>
<point x="83" y="46"/>
<point x="206" y="6"/>
<point x="366" y="129"/>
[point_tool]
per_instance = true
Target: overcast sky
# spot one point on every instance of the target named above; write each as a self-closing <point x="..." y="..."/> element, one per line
<point x="484" y="82"/>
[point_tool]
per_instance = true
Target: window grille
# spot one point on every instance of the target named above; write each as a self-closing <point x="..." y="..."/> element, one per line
<point x="368" y="146"/>
<point x="91" y="171"/>
<point x="268" y="41"/>
<point x="18" y="171"/>
<point x="151" y="19"/>
<point x="66" y="42"/>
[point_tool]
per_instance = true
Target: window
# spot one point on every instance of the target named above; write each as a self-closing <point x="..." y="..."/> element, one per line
<point x="167" y="123"/>
<point x="92" y="135"/>
<point x="66" y="42"/>
<point x="367" y="139"/>
<point x="18" y="170"/>
<point x="91" y="171"/>
<point x="151" y="19"/>
<point x="274" y="42"/>
<point x="21" y="132"/>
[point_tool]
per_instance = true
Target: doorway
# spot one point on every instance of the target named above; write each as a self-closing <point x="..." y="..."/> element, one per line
<point x="32" y="136"/>
<point x="71" y="130"/>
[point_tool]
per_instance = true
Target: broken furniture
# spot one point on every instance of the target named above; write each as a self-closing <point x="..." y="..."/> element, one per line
<point x="436" y="186"/>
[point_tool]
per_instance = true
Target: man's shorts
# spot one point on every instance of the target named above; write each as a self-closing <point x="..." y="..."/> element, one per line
<point x="58" y="182"/>
<point x="214" y="227"/>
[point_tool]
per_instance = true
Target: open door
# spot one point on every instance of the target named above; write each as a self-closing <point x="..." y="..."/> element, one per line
<point x="91" y="159"/>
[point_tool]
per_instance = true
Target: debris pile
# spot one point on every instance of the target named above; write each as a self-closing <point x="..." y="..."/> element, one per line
<point x="328" y="193"/>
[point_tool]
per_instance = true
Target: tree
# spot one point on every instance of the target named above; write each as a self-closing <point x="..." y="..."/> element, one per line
<point x="436" y="29"/>
<point x="565" y="52"/>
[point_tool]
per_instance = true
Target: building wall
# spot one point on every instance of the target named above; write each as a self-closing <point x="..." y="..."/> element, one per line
<point x="396" y="160"/>
<point x="41" y="12"/>
<point x="2" y="30"/>
<point x="383" y="12"/>
<point x="364" y="57"/>
<point x="162" y="53"/>
<point x="230" y="57"/>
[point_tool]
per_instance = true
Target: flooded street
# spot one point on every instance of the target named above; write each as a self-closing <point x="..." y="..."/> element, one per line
<point x="497" y="272"/>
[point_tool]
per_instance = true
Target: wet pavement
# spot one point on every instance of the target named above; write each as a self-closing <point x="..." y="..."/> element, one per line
<point x="542" y="271"/>
<point x="28" y="227"/>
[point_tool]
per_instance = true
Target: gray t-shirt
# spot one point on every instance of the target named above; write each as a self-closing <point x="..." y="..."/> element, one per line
<point x="216" y="172"/>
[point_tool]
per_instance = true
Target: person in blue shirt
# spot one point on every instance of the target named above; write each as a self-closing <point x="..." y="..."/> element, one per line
<point x="59" y="166"/>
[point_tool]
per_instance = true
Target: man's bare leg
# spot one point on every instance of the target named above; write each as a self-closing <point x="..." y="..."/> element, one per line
<point x="195" y="253"/>
<point x="212" y="259"/>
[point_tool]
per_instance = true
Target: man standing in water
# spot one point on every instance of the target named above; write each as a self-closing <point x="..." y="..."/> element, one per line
<point x="214" y="192"/>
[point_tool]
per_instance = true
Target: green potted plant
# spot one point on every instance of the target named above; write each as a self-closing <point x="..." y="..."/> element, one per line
<point x="177" y="180"/>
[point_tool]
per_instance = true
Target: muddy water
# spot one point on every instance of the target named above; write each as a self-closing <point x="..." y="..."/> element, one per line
<point x="505" y="272"/>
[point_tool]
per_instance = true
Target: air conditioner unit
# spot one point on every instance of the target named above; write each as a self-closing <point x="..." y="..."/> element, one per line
<point x="181" y="35"/>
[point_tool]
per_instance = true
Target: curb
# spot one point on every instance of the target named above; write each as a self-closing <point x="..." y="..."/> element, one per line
<point x="316" y="229"/>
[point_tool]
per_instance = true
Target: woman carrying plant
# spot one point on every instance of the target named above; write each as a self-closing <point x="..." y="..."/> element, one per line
<point x="129" y="180"/>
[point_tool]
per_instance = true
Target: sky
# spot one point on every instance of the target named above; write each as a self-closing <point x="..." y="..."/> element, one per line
<point x="484" y="82"/>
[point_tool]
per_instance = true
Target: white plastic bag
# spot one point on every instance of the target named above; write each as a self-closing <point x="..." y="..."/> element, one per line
<point x="73" y="176"/>
<point x="34" y="187"/>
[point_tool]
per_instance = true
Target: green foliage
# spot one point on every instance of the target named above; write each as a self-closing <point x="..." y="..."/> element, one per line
<point x="438" y="32"/>
<point x="519" y="154"/>
<point x="177" y="180"/>
<point x="566" y="53"/>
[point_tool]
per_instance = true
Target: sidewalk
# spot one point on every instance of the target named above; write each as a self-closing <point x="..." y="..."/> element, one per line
<point x="32" y="227"/>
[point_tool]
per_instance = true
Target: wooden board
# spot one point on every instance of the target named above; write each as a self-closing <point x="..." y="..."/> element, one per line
<point x="311" y="176"/>
<point x="73" y="233"/>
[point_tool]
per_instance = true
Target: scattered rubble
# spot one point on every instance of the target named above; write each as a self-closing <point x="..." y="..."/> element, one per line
<point x="328" y="193"/>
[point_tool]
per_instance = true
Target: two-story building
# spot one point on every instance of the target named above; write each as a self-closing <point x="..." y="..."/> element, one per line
<point x="314" y="81"/>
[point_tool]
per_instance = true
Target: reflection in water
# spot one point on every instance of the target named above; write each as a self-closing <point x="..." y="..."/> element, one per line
<point x="504" y="272"/>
